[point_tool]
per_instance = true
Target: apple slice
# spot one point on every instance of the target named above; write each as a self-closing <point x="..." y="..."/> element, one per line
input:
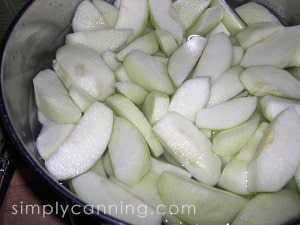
<point x="237" y="55"/>
<point x="98" y="167"/>
<point x="129" y="153"/>
<point x="133" y="14"/>
<point x="146" y="43"/>
<point x="198" y="203"/>
<point x="76" y="155"/>
<point x="184" y="59"/>
<point x="85" y="69"/>
<point x="121" y="74"/>
<point x="234" y="175"/>
<point x="110" y="58"/>
<point x="256" y="33"/>
<point x="129" y="111"/>
<point x="155" y="106"/>
<point x="207" y="21"/>
<point x="132" y="91"/>
<point x="187" y="144"/>
<point x="109" y="11"/>
<point x="100" y="40"/>
<point x="226" y="86"/>
<point x="110" y="198"/>
<point x="81" y="98"/>
<point x="214" y="62"/>
<point x="226" y="114"/>
<point x="144" y="71"/>
<point x="284" y="44"/>
<point x="109" y="170"/>
<point x="87" y="17"/>
<point x="280" y="147"/>
<point x="166" y="41"/>
<point x="191" y="96"/>
<point x="189" y="10"/>
<point x="252" y="12"/>
<point x="230" y="141"/>
<point x="51" y="137"/>
<point x="269" y="80"/>
<point x="53" y="99"/>
<point x="271" y="106"/>
<point x="220" y="28"/>
<point x="270" y="208"/>
<point x="164" y="17"/>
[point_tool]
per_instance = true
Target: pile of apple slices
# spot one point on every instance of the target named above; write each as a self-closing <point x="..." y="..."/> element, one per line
<point x="157" y="104"/>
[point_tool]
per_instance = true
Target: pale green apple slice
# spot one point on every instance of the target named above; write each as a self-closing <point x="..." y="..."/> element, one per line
<point x="214" y="62"/>
<point x="164" y="17"/>
<point x="53" y="99"/>
<point x="252" y="12"/>
<point x="191" y="96"/>
<point x="270" y="208"/>
<point x="237" y="55"/>
<point x="110" y="58"/>
<point x="187" y="144"/>
<point x="121" y="74"/>
<point x="226" y="86"/>
<point x="87" y="17"/>
<point x="269" y="80"/>
<point x="125" y="108"/>
<point x="166" y="41"/>
<point x="51" y="137"/>
<point x="209" y="19"/>
<point x="144" y="71"/>
<point x="189" y="10"/>
<point x="271" y="106"/>
<point x="100" y="40"/>
<point x="203" y="204"/>
<point x="226" y="114"/>
<point x="230" y="141"/>
<point x="76" y="155"/>
<point x="256" y="33"/>
<point x="110" y="198"/>
<point x="86" y="69"/>
<point x="98" y="167"/>
<point x="230" y="19"/>
<point x="184" y="59"/>
<point x="109" y="11"/>
<point x="146" y="43"/>
<point x="81" y="98"/>
<point x="109" y="170"/>
<point x="234" y="175"/>
<point x="155" y="106"/>
<point x="129" y="153"/>
<point x="132" y="91"/>
<point x="133" y="14"/>
<point x="281" y="49"/>
<point x="219" y="28"/>
<point x="280" y="147"/>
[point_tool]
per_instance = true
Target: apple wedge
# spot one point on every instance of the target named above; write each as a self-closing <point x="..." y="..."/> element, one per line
<point x="227" y="114"/>
<point x="109" y="11"/>
<point x="279" y="147"/>
<point x="187" y="144"/>
<point x="166" y="41"/>
<point x="53" y="99"/>
<point x="76" y="155"/>
<point x="132" y="91"/>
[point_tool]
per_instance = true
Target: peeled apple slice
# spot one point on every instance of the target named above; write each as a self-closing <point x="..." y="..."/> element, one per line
<point x="109" y="11"/>
<point x="227" y="114"/>
<point x="142" y="70"/>
<point x="164" y="17"/>
<point x="237" y="55"/>
<point x="81" y="98"/>
<point x="272" y="106"/>
<point x="133" y="14"/>
<point x="86" y="69"/>
<point x="268" y="80"/>
<point x="166" y="41"/>
<point x="214" y="62"/>
<point x="270" y="209"/>
<point x="252" y="12"/>
<point x="185" y="58"/>
<point x="84" y="146"/>
<point x="278" y="155"/>
<point x="191" y="96"/>
<point x="126" y="109"/>
<point x="113" y="200"/>
<point x="132" y="91"/>
<point x="53" y="99"/>
<point x="187" y="144"/>
<point x="189" y="10"/>
<point x="100" y="40"/>
<point x="87" y="17"/>
<point x="129" y="153"/>
<point x="206" y="205"/>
